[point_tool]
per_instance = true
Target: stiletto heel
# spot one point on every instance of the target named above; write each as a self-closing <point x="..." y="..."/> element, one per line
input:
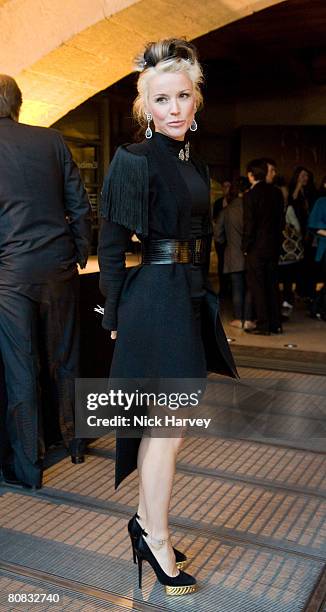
<point x="181" y="584"/>
<point x="135" y="531"/>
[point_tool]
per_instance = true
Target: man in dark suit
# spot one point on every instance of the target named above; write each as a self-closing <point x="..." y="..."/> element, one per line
<point x="263" y="223"/>
<point x="44" y="233"/>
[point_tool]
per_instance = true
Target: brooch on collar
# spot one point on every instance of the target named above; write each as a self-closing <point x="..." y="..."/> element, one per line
<point x="184" y="154"/>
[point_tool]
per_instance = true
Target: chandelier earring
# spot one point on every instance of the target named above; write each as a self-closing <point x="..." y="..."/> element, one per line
<point x="149" y="133"/>
<point x="194" y="125"/>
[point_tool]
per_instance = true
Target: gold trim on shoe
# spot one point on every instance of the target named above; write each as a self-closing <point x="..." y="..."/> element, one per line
<point x="180" y="590"/>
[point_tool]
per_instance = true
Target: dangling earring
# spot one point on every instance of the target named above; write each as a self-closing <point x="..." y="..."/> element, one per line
<point x="194" y="125"/>
<point x="149" y="133"/>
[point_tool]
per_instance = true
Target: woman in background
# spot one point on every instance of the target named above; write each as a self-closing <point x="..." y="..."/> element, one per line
<point x="292" y="251"/>
<point x="302" y="196"/>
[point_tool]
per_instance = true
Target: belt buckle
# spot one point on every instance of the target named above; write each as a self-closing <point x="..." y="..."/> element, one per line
<point x="184" y="252"/>
<point x="176" y="253"/>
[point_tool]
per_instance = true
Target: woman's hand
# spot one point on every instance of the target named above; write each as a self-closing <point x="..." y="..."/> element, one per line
<point x="297" y="190"/>
<point x="114" y="335"/>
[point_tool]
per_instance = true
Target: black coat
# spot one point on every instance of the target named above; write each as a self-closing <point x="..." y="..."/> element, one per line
<point x="150" y="305"/>
<point x="44" y="209"/>
<point x="263" y="221"/>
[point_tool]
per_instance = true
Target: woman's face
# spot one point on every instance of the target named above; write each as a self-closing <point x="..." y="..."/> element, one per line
<point x="303" y="177"/>
<point x="171" y="101"/>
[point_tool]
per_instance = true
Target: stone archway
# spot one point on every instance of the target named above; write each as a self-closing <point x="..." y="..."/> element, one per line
<point x="64" y="51"/>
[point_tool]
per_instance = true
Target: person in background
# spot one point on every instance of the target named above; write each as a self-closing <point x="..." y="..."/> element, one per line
<point x="229" y="232"/>
<point x="273" y="178"/>
<point x="292" y="252"/>
<point x="280" y="182"/>
<point x="223" y="201"/>
<point x="302" y="196"/>
<point x="317" y="224"/>
<point x="44" y="232"/>
<point x="219" y="205"/>
<point x="271" y="169"/>
<point x="292" y="245"/>
<point x="263" y="223"/>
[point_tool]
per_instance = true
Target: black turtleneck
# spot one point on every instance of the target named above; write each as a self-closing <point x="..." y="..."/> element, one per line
<point x="196" y="185"/>
<point x="198" y="199"/>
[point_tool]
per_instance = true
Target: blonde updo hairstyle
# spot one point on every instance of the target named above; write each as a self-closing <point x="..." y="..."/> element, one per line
<point x="169" y="55"/>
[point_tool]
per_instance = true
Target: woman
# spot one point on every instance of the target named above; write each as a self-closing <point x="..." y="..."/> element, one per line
<point x="302" y="196"/>
<point x="159" y="190"/>
<point x="229" y="231"/>
<point x="292" y="250"/>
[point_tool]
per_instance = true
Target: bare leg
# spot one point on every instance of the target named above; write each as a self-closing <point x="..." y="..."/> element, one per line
<point x="156" y="467"/>
<point x="142" y="512"/>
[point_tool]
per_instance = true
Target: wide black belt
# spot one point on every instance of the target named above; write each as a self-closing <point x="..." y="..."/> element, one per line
<point x="174" y="251"/>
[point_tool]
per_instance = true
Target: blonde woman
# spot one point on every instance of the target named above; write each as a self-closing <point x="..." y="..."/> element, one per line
<point x="158" y="189"/>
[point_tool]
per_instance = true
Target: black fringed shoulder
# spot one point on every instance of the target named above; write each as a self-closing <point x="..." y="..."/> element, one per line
<point x="124" y="197"/>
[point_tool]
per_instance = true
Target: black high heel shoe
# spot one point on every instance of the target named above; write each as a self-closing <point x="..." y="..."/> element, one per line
<point x="181" y="584"/>
<point x="135" y="531"/>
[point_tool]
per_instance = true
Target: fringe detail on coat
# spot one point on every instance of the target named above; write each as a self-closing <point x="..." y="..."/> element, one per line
<point x="124" y="197"/>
